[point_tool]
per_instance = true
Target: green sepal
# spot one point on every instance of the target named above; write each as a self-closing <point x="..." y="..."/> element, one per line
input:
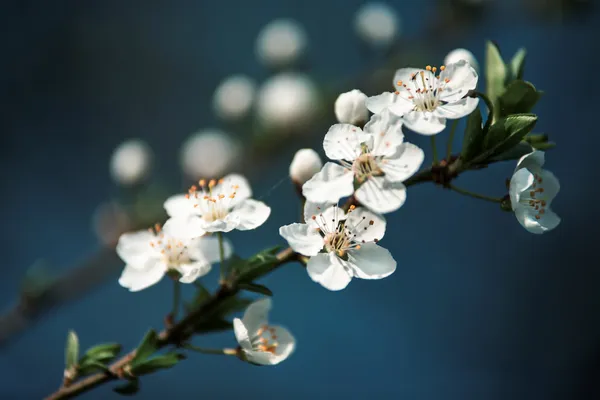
<point x="154" y="364"/>
<point x="517" y="64"/>
<point x="495" y="72"/>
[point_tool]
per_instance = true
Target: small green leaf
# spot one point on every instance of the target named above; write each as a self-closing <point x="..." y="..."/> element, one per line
<point x="157" y="363"/>
<point x="146" y="348"/>
<point x="495" y="72"/>
<point x="128" y="389"/>
<point x="515" y="153"/>
<point x="102" y="352"/>
<point x="534" y="138"/>
<point x="505" y="134"/>
<point x="256" y="288"/>
<point x="91" y="367"/>
<point x="71" y="350"/>
<point x="520" y="97"/>
<point x="517" y="64"/>
<point x="473" y="139"/>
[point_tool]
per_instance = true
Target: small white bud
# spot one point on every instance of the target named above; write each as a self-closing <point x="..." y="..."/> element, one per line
<point x="280" y="43"/>
<point x="305" y="164"/>
<point x="350" y="108"/>
<point x="462" y="54"/>
<point x="209" y="153"/>
<point x="130" y="162"/>
<point x="233" y="98"/>
<point x="377" y="24"/>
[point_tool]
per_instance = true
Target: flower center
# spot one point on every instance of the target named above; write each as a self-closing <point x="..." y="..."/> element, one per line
<point x="424" y="89"/>
<point x="535" y="198"/>
<point x="212" y="201"/>
<point x="172" y="251"/>
<point x="365" y="166"/>
<point x="265" y="340"/>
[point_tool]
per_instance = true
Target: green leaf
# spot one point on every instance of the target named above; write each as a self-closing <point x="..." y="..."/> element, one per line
<point x="102" y="352"/>
<point x="473" y="139"/>
<point x="535" y="138"/>
<point x="515" y="153"/>
<point x="544" y="146"/>
<point x="256" y="288"/>
<point x="517" y="64"/>
<point x="128" y="389"/>
<point x="146" y="348"/>
<point x="71" y="350"/>
<point x="91" y="367"/>
<point x="213" y="325"/>
<point x="157" y="363"/>
<point x="520" y="97"/>
<point x="495" y="72"/>
<point x="505" y="134"/>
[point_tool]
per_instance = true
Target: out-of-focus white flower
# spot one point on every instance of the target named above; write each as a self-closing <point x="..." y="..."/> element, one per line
<point x="280" y="43"/>
<point x="150" y="254"/>
<point x="130" y="162"/>
<point x="340" y="246"/>
<point x="209" y="153"/>
<point x="305" y="164"/>
<point x="286" y="99"/>
<point x="426" y="100"/>
<point x="377" y="159"/>
<point x="260" y="342"/>
<point x="109" y="221"/>
<point x="461" y="54"/>
<point x="377" y="24"/>
<point x="350" y="108"/>
<point x="217" y="206"/>
<point x="233" y="98"/>
<point x="532" y="190"/>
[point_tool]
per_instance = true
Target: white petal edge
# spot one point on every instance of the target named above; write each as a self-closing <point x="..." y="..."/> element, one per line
<point x="207" y="247"/>
<point x="404" y="163"/>
<point x="380" y="195"/>
<point x="329" y="185"/>
<point x="257" y="315"/>
<point x="241" y="334"/>
<point x="184" y="227"/>
<point x="365" y="225"/>
<point x="302" y="238"/>
<point x="371" y="262"/>
<point x="134" y="247"/>
<point x="179" y="205"/>
<point x="342" y="142"/>
<point x="463" y="78"/>
<point x="327" y="269"/>
<point x="425" y="123"/>
<point x="136" y="279"/>
<point x="458" y="109"/>
<point x="252" y="214"/>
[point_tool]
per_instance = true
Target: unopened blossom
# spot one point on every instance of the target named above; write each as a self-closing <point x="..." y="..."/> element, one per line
<point x="233" y="97"/>
<point x="377" y="159"/>
<point x="216" y="206"/>
<point x="377" y="24"/>
<point x="260" y="342"/>
<point x="532" y="190"/>
<point x="426" y="100"/>
<point x="150" y="254"/>
<point x="305" y="164"/>
<point x="340" y="246"/>
<point x="209" y="153"/>
<point x="461" y="54"/>
<point x="350" y="108"/>
<point x="130" y="162"/>
<point x="281" y="43"/>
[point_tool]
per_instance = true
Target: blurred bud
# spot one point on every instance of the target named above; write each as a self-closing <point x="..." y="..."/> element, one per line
<point x="280" y="43"/>
<point x="130" y="162"/>
<point x="377" y="24"/>
<point x="234" y="97"/>
<point x="462" y="54"/>
<point x="305" y="164"/>
<point x="286" y="99"/>
<point x="209" y="153"/>
<point x="109" y="221"/>
<point x="350" y="108"/>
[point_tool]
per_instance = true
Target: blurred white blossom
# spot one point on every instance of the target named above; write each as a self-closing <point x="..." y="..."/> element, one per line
<point x="305" y="164"/>
<point x="209" y="153"/>
<point x="130" y="162"/>
<point x="281" y="42"/>
<point x="350" y="108"/>
<point x="461" y="54"/>
<point x="233" y="98"/>
<point x="377" y="24"/>
<point x="109" y="221"/>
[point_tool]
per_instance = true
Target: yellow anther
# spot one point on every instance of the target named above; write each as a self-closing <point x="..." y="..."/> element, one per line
<point x="399" y="83"/>
<point x="352" y="207"/>
<point x="202" y="182"/>
<point x="221" y="180"/>
<point x="428" y="68"/>
<point x="434" y="69"/>
<point x="443" y="67"/>
<point x="212" y="183"/>
<point x="221" y="196"/>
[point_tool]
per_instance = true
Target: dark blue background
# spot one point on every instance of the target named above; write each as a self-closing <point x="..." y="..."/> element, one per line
<point x="478" y="308"/>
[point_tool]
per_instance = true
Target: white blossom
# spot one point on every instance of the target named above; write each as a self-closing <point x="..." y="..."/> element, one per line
<point x="350" y="108"/>
<point x="461" y="54"/>
<point x="260" y="342"/>
<point x="209" y="153"/>
<point x="377" y="24"/>
<point x="340" y="246"/>
<point x="426" y="100"/>
<point x="532" y="190"/>
<point x="281" y="42"/>
<point x="150" y="254"/>
<point x="130" y="162"/>
<point x="304" y="165"/>
<point x="377" y="159"/>
<point x="216" y="206"/>
<point x="233" y="97"/>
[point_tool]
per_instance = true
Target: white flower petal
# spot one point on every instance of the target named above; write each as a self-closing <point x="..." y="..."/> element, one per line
<point x="241" y="334"/>
<point x="207" y="247"/>
<point x="365" y="225"/>
<point x="462" y="78"/>
<point x="520" y="181"/>
<point x="302" y="238"/>
<point x="260" y="357"/>
<point x="377" y="104"/>
<point x="550" y="184"/>
<point x="386" y="129"/>
<point x="233" y="183"/>
<point x="526" y="217"/>
<point x="404" y="163"/>
<point x="406" y="76"/>
<point x="180" y="206"/>
<point x="457" y="109"/>
<point x="134" y="248"/>
<point x="326" y="215"/>
<point x="342" y="142"/>
<point x="329" y="185"/>
<point x="184" y="227"/>
<point x="425" y="123"/>
<point x="328" y="270"/>
<point x="192" y="271"/>
<point x="380" y="195"/>
<point x="136" y="279"/>
<point x="286" y="344"/>
<point x="256" y="315"/>
<point x="371" y="262"/>
<point x="532" y="161"/>
<point x="251" y="213"/>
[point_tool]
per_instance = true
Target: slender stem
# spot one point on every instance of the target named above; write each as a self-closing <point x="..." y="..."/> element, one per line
<point x="434" y="149"/>
<point x="176" y="299"/>
<point x="221" y="256"/>
<point x="475" y="195"/>
<point x="226" y="352"/>
<point x="451" y="139"/>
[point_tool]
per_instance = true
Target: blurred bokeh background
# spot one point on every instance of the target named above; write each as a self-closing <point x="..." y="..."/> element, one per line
<point x="478" y="308"/>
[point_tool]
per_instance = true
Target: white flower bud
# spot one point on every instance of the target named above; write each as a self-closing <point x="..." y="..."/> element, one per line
<point x="305" y="164"/>
<point x="209" y="153"/>
<point x="377" y="24"/>
<point x="286" y="99"/>
<point x="350" y="108"/>
<point x="234" y="97"/>
<point x="130" y="162"/>
<point x="280" y="43"/>
<point x="462" y="54"/>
